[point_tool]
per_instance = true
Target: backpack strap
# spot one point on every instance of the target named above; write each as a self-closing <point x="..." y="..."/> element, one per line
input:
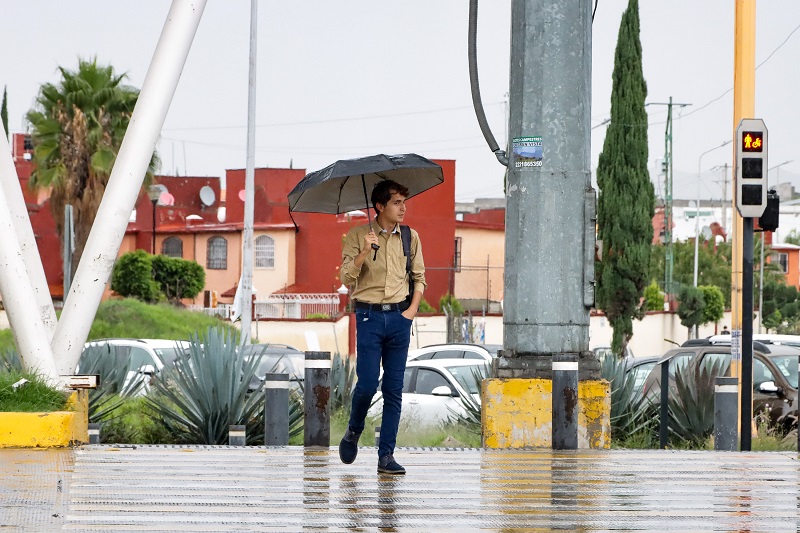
<point x="405" y="235"/>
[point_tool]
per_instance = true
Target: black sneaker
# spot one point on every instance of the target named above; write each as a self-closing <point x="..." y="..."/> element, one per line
<point x="387" y="465"/>
<point x="348" y="447"/>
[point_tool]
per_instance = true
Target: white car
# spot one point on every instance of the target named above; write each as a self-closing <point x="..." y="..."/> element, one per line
<point x="432" y="390"/>
<point x="483" y="352"/>
<point x="138" y="356"/>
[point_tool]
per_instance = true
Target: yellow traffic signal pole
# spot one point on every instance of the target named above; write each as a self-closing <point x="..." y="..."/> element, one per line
<point x="744" y="88"/>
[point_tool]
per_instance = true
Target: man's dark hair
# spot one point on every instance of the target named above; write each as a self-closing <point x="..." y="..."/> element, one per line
<point x="384" y="190"/>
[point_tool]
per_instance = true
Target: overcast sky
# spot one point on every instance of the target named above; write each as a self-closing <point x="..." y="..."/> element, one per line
<point x="356" y="77"/>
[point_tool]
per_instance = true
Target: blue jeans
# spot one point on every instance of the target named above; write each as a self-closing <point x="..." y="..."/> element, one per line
<point x="382" y="337"/>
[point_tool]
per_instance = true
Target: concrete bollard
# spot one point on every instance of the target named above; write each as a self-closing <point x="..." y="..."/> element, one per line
<point x="377" y="436"/>
<point x="237" y="435"/>
<point x="664" y="411"/>
<point x="726" y="414"/>
<point x="94" y="433"/>
<point x="317" y="395"/>
<point x="565" y="402"/>
<point x="276" y="410"/>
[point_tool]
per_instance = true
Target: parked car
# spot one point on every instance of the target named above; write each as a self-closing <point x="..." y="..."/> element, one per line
<point x="432" y="389"/>
<point x="277" y="358"/>
<point x="640" y="368"/>
<point x="774" y="389"/>
<point x="775" y="348"/>
<point x="138" y="356"/>
<point x="483" y="352"/>
<point x="601" y="352"/>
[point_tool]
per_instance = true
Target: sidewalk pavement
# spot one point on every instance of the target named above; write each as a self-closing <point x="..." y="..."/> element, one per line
<point x="222" y="488"/>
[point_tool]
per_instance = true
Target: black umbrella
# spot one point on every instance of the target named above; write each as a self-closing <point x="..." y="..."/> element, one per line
<point x="342" y="186"/>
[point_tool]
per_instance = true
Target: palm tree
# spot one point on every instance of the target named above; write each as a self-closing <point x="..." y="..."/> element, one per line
<point x="77" y="129"/>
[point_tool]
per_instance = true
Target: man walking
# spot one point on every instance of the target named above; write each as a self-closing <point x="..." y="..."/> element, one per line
<point x="375" y="266"/>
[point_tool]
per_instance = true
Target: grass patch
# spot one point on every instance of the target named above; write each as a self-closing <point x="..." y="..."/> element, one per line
<point x="130" y="318"/>
<point x="134" y="319"/>
<point x="33" y="397"/>
<point x="135" y="422"/>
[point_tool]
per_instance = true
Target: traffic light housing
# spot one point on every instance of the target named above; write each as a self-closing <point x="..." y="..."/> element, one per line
<point x="768" y="221"/>
<point x="751" y="167"/>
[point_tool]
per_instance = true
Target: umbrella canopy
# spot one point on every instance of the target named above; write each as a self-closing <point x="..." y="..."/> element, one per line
<point x="343" y="186"/>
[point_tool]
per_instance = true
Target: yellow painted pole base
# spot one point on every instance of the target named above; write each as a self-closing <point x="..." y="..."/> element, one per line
<point x="517" y="413"/>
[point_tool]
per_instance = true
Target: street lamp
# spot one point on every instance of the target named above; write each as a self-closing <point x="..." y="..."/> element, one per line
<point x="697" y="212"/>
<point x="154" y="193"/>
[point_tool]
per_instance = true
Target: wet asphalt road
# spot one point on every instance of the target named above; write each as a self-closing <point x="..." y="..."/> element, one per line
<point x="220" y="488"/>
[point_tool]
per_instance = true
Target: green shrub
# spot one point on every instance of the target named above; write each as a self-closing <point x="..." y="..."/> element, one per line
<point x="178" y="278"/>
<point x="133" y="277"/>
<point x="425" y="307"/>
<point x="653" y="297"/>
<point x="450" y="305"/>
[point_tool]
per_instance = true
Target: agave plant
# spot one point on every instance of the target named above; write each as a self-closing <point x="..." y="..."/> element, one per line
<point x="343" y="379"/>
<point x="116" y="382"/>
<point x="207" y="392"/>
<point x="255" y="427"/>
<point x="691" y="401"/>
<point x="631" y="412"/>
<point x="11" y="361"/>
<point x="470" y="419"/>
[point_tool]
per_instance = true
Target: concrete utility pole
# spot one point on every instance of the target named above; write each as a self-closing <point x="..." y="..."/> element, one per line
<point x="550" y="226"/>
<point x="249" y="184"/>
<point x="549" y="285"/>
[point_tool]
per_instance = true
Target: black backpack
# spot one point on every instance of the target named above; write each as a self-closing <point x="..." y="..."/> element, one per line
<point x="405" y="235"/>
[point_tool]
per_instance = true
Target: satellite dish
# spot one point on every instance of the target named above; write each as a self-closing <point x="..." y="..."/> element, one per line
<point x="242" y="195"/>
<point x="706" y="232"/>
<point x="207" y="195"/>
<point x="166" y="199"/>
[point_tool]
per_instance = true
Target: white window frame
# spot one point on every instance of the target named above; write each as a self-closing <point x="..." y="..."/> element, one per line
<point x="212" y="261"/>
<point x="264" y="252"/>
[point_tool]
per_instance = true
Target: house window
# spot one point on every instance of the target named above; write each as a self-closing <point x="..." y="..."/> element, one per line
<point x="783" y="261"/>
<point x="457" y="256"/>
<point x="217" y="254"/>
<point x="172" y="247"/>
<point x="27" y="143"/>
<point x="264" y="252"/>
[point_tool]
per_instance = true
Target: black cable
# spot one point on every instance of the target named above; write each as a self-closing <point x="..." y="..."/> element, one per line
<point x="473" y="83"/>
<point x="595" y="9"/>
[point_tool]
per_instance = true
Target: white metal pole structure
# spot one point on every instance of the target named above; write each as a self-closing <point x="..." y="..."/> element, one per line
<point x="249" y="184"/>
<point x="126" y="180"/>
<point x="24" y="314"/>
<point x="761" y="270"/>
<point x="697" y="213"/>
<point x="24" y="232"/>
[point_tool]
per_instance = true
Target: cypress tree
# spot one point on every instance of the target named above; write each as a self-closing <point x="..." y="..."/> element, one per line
<point x="4" y="111"/>
<point x="626" y="201"/>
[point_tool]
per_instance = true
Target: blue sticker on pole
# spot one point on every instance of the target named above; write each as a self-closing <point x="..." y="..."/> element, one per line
<point x="527" y="152"/>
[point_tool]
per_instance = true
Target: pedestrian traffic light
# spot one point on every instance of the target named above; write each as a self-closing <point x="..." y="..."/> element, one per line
<point x="751" y="167"/>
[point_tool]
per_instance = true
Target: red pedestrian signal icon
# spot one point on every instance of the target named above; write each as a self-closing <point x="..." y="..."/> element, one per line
<point x="752" y="141"/>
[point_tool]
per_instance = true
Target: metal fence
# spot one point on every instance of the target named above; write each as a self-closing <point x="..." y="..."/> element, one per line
<point x="297" y="306"/>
